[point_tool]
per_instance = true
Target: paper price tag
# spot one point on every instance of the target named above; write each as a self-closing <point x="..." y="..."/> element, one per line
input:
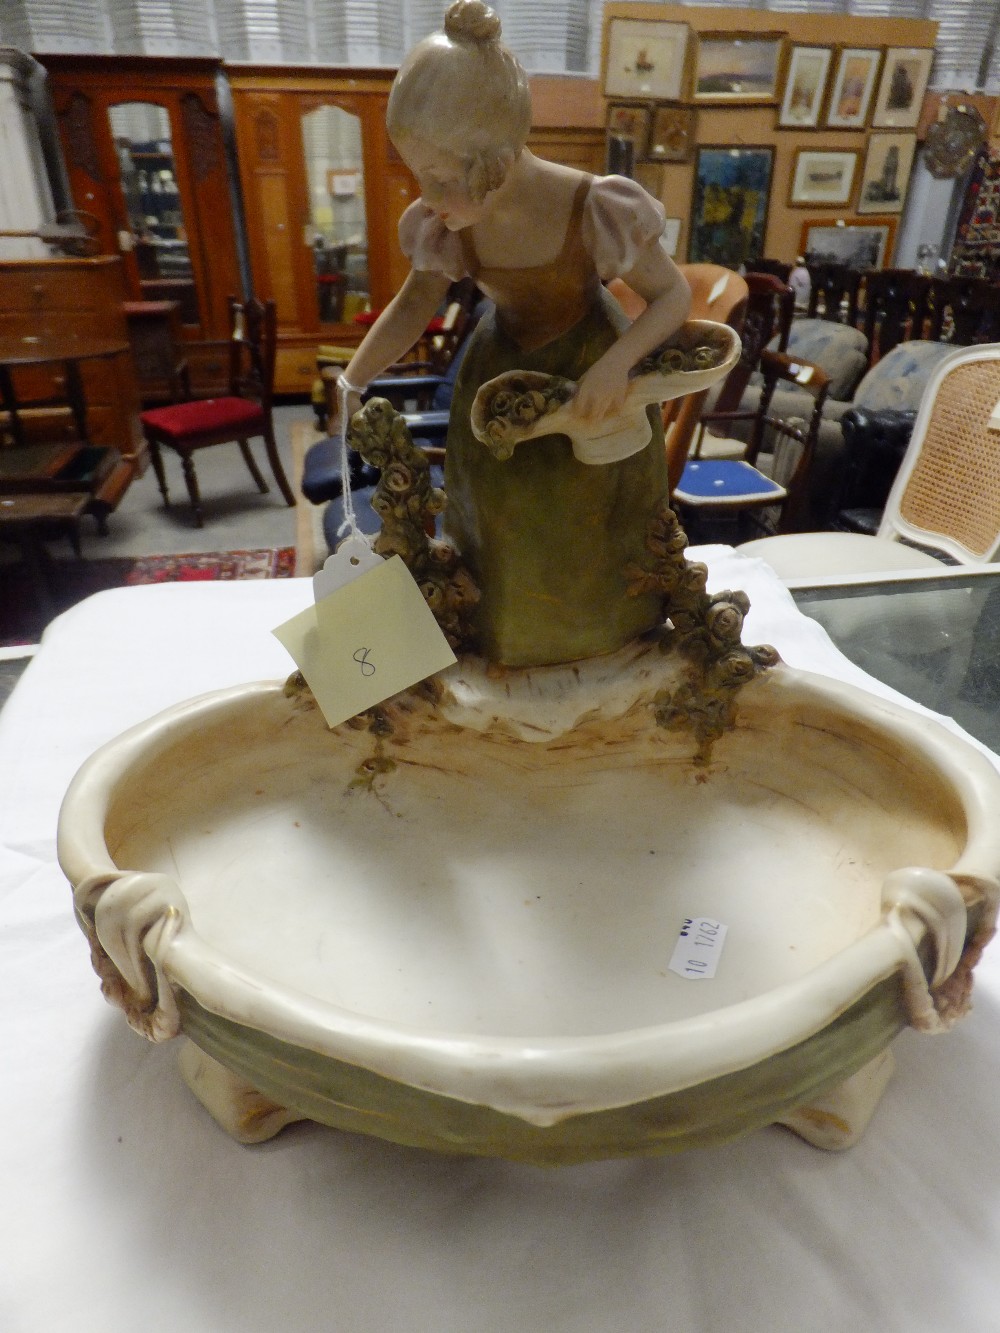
<point x="698" y="949"/>
<point x="366" y="640"/>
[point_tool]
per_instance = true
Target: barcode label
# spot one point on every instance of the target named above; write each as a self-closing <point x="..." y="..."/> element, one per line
<point x="698" y="949"/>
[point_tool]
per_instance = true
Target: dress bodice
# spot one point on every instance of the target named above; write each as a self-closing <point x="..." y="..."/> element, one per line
<point x="537" y="303"/>
<point x="612" y="222"/>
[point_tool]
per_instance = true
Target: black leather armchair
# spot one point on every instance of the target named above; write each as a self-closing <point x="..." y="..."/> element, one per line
<point x="875" y="441"/>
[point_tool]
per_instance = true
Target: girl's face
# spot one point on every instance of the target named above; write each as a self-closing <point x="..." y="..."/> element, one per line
<point x="443" y="180"/>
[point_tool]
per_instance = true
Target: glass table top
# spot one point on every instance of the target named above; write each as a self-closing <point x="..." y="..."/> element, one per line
<point x="934" y="637"/>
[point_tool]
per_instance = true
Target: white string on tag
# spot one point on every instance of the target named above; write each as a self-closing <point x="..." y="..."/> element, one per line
<point x="350" y="523"/>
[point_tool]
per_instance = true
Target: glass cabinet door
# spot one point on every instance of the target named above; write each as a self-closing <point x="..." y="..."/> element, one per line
<point x="337" y="228"/>
<point x="147" y="172"/>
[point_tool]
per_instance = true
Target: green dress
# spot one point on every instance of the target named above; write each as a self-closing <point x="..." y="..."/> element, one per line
<point x="547" y="538"/>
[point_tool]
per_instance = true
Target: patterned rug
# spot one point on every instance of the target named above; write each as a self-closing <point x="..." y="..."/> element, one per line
<point x="70" y="581"/>
<point x="271" y="563"/>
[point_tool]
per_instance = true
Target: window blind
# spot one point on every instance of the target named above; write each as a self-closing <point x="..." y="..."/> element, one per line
<point x="550" y="36"/>
<point x="57" y="25"/>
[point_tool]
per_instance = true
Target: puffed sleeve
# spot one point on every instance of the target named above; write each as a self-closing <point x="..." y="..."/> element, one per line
<point x="428" y="244"/>
<point x="620" y="219"/>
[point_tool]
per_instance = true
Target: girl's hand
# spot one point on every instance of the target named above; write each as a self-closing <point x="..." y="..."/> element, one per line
<point x="601" y="392"/>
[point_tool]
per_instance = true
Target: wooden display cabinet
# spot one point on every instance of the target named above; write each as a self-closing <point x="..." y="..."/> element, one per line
<point x="324" y="191"/>
<point x="144" y="149"/>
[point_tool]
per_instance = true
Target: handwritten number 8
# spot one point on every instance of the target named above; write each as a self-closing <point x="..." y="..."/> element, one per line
<point x="361" y="657"/>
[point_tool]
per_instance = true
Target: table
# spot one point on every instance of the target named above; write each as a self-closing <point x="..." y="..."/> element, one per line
<point x="127" y="1207"/>
<point x="51" y="348"/>
<point x="28" y="519"/>
<point x="933" y="634"/>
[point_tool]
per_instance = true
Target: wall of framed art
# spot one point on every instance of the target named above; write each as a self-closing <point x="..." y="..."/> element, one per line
<point x="760" y="119"/>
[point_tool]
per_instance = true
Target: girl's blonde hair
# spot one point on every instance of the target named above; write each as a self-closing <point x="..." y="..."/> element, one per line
<point x="462" y="90"/>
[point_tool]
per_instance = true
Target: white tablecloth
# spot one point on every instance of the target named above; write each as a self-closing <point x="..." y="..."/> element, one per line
<point x="124" y="1207"/>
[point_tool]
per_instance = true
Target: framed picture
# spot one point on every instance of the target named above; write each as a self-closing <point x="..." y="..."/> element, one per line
<point x="729" y="208"/>
<point x="646" y="58"/>
<point x="650" y="176"/>
<point x="853" y="85"/>
<point x="822" y="177"/>
<point x="630" y="121"/>
<point x="672" y="136"/>
<point x="888" y="163"/>
<point x="901" y="90"/>
<point x="865" y="244"/>
<point x="805" y="84"/>
<point x="739" y="66"/>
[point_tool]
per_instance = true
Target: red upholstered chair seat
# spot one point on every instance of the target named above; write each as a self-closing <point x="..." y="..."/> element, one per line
<point x="205" y="416"/>
<point x="234" y="417"/>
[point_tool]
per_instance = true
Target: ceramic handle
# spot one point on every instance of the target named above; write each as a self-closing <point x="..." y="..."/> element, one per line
<point x="919" y="902"/>
<point x="131" y="918"/>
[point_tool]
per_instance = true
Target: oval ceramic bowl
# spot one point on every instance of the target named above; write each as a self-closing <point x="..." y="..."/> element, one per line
<point x="458" y="938"/>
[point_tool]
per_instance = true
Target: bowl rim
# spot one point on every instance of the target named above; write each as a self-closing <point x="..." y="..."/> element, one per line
<point x="546" y="1079"/>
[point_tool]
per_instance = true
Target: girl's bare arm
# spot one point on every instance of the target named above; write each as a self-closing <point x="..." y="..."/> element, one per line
<point x="398" y="327"/>
<point x="661" y="284"/>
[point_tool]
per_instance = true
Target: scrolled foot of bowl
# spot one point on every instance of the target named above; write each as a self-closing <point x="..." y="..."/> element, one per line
<point x="839" y="1119"/>
<point x="235" y="1105"/>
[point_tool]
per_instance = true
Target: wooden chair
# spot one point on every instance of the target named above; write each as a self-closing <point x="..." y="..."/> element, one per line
<point x="736" y="486"/>
<point x="776" y="267"/>
<point x="769" y="313"/>
<point x="964" y="310"/>
<point x="716" y="293"/>
<point x="236" y="417"/>
<point x="414" y="381"/>
<point x="838" y="286"/>
<point x="893" y="307"/>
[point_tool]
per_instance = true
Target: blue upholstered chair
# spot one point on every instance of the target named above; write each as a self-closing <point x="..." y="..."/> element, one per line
<point x="719" y="486"/>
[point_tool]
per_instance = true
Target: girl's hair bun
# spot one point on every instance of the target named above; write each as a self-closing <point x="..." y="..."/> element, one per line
<point x="471" y="21"/>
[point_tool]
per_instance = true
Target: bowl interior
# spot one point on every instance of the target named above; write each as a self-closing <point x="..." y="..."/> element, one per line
<point x="489" y="886"/>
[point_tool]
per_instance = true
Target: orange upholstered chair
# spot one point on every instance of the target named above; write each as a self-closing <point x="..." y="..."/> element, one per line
<point x="716" y="293"/>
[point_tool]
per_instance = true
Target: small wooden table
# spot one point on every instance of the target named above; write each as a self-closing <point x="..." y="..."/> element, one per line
<point x="28" y="519"/>
<point x="48" y="348"/>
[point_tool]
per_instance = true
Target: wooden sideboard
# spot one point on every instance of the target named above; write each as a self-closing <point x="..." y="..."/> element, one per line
<point x="82" y="297"/>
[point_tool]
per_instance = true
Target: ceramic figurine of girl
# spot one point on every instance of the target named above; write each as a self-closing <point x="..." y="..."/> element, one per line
<point x="548" y="538"/>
